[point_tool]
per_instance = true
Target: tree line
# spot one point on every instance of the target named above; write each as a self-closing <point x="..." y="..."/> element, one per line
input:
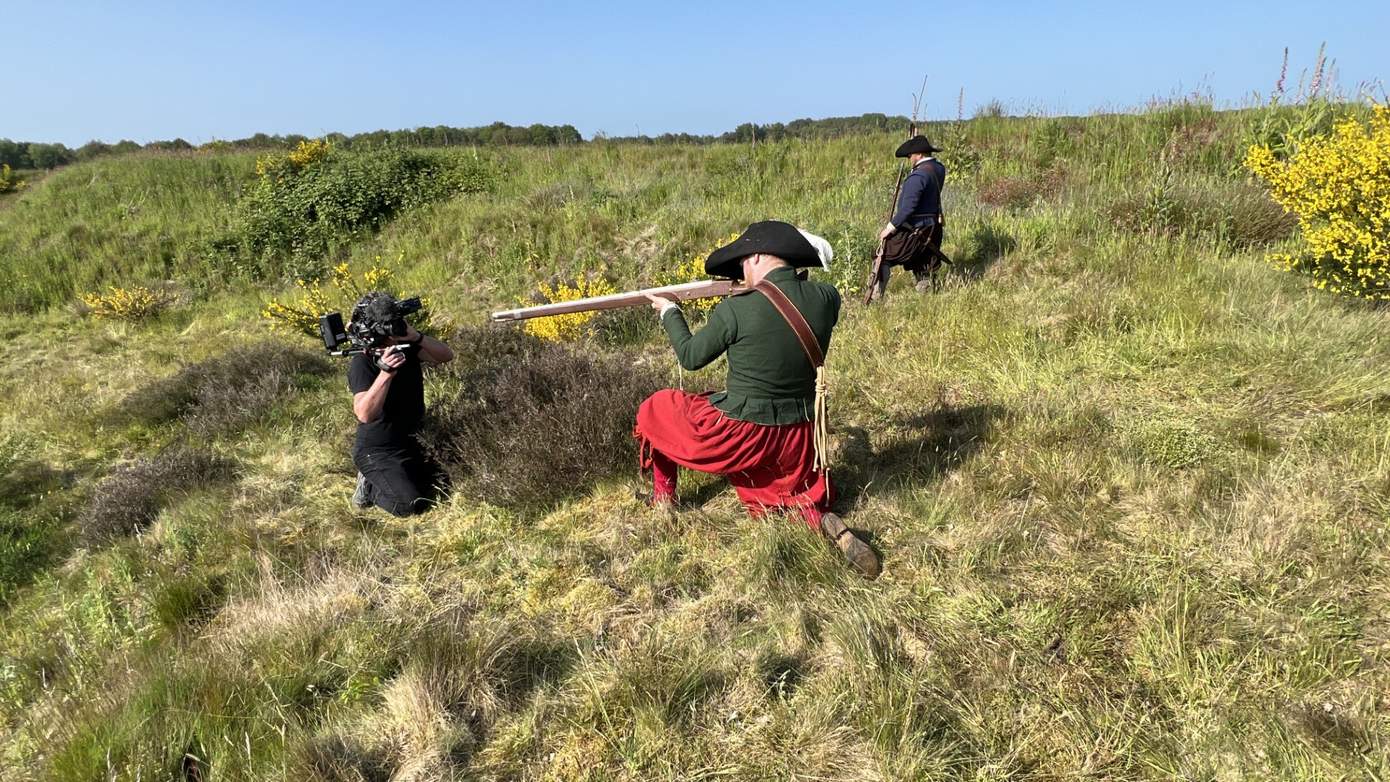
<point x="38" y="155"/>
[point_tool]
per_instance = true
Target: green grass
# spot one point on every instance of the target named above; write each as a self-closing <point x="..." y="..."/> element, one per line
<point x="1132" y="486"/>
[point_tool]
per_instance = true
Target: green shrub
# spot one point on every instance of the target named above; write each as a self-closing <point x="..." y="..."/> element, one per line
<point x="306" y="205"/>
<point x="1175" y="443"/>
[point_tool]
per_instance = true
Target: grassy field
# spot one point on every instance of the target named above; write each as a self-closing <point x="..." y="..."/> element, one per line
<point x="1131" y="484"/>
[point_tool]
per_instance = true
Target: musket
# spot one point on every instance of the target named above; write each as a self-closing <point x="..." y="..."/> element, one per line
<point x="686" y="291"/>
<point x="877" y="266"/>
<point x="878" y="253"/>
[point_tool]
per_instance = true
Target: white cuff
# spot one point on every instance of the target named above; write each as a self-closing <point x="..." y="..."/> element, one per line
<point x="667" y="307"/>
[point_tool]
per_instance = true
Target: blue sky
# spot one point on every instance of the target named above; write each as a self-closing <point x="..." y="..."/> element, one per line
<point x="142" y="70"/>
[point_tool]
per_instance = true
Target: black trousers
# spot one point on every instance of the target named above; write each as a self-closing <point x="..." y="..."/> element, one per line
<point x="400" y="481"/>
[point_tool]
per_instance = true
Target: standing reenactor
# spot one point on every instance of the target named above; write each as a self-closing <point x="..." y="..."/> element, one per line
<point x="912" y="239"/>
<point x="760" y="432"/>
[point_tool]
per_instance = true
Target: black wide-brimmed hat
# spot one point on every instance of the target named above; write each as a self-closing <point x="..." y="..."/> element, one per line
<point x="772" y="237"/>
<point x="916" y="145"/>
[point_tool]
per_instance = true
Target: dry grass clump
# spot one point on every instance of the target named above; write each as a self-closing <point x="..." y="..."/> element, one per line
<point x="531" y="422"/>
<point x="457" y="676"/>
<point x="1020" y="192"/>
<point x="226" y="392"/>
<point x="131" y="496"/>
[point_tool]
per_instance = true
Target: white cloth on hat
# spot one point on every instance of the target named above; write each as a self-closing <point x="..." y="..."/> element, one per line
<point x="823" y="250"/>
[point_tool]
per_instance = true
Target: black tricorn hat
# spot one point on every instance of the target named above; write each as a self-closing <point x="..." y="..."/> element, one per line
<point x="772" y="237"/>
<point x="916" y="145"/>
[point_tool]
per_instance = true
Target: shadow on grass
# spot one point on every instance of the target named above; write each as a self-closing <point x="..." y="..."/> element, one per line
<point x="29" y="519"/>
<point x="917" y="449"/>
<point x="981" y="247"/>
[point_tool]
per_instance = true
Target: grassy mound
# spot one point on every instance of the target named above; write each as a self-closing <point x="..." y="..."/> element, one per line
<point x="1131" y="483"/>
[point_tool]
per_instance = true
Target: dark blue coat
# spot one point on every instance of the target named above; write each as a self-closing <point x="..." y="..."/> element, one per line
<point x="920" y="200"/>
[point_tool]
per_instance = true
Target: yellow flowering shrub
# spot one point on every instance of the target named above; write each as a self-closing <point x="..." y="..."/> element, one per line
<point x="8" y="181"/>
<point x="338" y="293"/>
<point x="301" y="157"/>
<point x="693" y="270"/>
<point x="1338" y="185"/>
<point x="565" y="328"/>
<point x="134" y="303"/>
<point x="309" y="152"/>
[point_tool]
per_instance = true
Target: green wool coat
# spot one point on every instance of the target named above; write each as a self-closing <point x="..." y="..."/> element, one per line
<point x="770" y="380"/>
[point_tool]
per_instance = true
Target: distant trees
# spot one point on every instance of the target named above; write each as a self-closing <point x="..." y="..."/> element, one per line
<point x="28" y="155"/>
<point x="830" y="127"/>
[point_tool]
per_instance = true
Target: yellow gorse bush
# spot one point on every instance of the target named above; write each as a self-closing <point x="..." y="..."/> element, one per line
<point x="309" y="152"/>
<point x="1338" y="184"/>
<point x="301" y="157"/>
<point x="338" y="293"/>
<point x="8" y="181"/>
<point x="691" y="270"/>
<point x="564" y="328"/>
<point x="134" y="303"/>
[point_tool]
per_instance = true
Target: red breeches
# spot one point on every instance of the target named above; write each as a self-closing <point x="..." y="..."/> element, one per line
<point x="771" y="467"/>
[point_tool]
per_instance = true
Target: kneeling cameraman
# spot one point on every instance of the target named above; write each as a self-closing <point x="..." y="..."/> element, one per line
<point x="388" y="397"/>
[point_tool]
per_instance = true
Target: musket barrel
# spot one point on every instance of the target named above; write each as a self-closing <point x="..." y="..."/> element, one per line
<point x="685" y="291"/>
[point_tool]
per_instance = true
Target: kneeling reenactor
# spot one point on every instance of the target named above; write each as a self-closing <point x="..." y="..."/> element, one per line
<point x="760" y="432"/>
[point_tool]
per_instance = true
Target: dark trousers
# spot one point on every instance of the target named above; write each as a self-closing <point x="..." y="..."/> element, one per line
<point x="926" y="261"/>
<point x="400" y="481"/>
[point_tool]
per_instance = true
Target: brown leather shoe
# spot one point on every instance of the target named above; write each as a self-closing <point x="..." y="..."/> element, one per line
<point x="859" y="553"/>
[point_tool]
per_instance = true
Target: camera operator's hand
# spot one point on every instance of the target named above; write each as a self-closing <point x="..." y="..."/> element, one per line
<point x="411" y="335"/>
<point x="391" y="360"/>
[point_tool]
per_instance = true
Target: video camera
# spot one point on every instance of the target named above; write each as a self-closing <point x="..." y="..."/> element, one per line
<point x="375" y="318"/>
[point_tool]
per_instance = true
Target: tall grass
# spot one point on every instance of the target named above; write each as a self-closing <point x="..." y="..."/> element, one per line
<point x="1131" y="484"/>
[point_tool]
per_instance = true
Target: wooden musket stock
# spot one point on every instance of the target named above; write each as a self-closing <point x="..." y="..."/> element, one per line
<point x="686" y="291"/>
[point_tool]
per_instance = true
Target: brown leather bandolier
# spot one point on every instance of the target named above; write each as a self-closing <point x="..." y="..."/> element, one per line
<point x="811" y="345"/>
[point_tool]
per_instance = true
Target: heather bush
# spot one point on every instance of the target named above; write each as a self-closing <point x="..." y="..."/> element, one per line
<point x="530" y="421"/>
<point x="228" y="391"/>
<point x="131" y="496"/>
<point x="1018" y="192"/>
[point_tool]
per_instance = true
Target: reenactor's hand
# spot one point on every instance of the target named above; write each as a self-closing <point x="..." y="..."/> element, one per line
<point x="660" y="302"/>
<point x="888" y="230"/>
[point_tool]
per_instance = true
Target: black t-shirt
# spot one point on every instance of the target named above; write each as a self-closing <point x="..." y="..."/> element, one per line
<point x="404" y="407"/>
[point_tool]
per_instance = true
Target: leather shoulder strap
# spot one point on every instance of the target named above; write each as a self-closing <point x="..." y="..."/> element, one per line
<point x="796" y="320"/>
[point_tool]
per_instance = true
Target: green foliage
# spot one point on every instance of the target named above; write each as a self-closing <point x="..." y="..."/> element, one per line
<point x="1123" y="474"/>
<point x="297" y="215"/>
<point x="1170" y="441"/>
